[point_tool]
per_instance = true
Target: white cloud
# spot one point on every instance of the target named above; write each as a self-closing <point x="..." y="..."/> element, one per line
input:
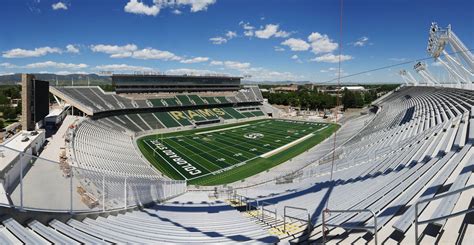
<point x="69" y="72"/>
<point x="196" y="5"/>
<point x="249" y="33"/>
<point x="218" y="40"/>
<point x="254" y="73"/>
<point x="248" y="29"/>
<point x="177" y="12"/>
<point x="119" y="51"/>
<point x="72" y="49"/>
<point x="231" y="64"/>
<point x="24" y="53"/>
<point x="331" y="58"/>
<point x="182" y="71"/>
<point x="262" y="74"/>
<point x="282" y="34"/>
<point x="436" y="63"/>
<point x="296" y="44"/>
<point x="155" y="54"/>
<point x="136" y="7"/>
<point x="57" y="65"/>
<point x="122" y="67"/>
<point x="271" y="30"/>
<point x="294" y="57"/>
<point x="246" y="26"/>
<point x="131" y="50"/>
<point x="195" y="60"/>
<point x="321" y="43"/>
<point x="398" y="59"/>
<point x="236" y="65"/>
<point x="59" y="6"/>
<point x="221" y="40"/>
<point x="8" y="65"/>
<point x="279" y="49"/>
<point x="361" y="42"/>
<point x="216" y="63"/>
<point x="230" y="34"/>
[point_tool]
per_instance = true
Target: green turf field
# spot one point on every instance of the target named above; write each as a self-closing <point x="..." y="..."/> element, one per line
<point x="232" y="152"/>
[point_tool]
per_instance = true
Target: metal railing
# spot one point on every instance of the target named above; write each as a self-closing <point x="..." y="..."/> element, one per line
<point x="417" y="222"/>
<point x="328" y="211"/>
<point x="72" y="189"/>
<point x="249" y="205"/>
<point x="285" y="215"/>
<point x="263" y="209"/>
<point x="239" y="198"/>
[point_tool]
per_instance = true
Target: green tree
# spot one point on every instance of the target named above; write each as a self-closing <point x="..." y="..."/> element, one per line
<point x="348" y="99"/>
<point x="3" y="99"/>
<point x="9" y="113"/>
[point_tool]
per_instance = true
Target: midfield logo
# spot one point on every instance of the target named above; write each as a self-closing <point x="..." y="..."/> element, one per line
<point x="253" y="136"/>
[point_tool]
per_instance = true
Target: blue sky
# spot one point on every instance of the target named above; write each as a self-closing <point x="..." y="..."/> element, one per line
<point x="262" y="39"/>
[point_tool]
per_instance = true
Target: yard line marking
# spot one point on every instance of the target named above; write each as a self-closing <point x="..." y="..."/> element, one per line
<point x="191" y="160"/>
<point x="157" y="153"/>
<point x="284" y="147"/>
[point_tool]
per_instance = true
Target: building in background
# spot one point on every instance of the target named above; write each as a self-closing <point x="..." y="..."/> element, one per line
<point x="35" y="102"/>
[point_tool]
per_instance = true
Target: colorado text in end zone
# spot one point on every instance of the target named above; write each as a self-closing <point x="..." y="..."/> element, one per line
<point x="177" y="159"/>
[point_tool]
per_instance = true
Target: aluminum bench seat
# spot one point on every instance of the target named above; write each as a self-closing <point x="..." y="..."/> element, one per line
<point x="74" y="233"/>
<point x="25" y="235"/>
<point x="50" y="234"/>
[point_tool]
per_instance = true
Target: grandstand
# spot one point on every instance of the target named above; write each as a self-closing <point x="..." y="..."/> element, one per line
<point x="418" y="146"/>
<point x="401" y="172"/>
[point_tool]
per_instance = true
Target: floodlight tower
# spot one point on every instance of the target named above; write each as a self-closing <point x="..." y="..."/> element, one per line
<point x="407" y="77"/>
<point x="437" y="41"/>
<point x="421" y="69"/>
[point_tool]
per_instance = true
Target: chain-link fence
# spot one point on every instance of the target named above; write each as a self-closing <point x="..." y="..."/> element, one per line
<point x="32" y="183"/>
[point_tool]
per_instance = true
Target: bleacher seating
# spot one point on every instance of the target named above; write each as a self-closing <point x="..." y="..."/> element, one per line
<point x="159" y="224"/>
<point x="416" y="147"/>
<point x="184" y="99"/>
<point x="97" y="100"/>
<point x="138" y="122"/>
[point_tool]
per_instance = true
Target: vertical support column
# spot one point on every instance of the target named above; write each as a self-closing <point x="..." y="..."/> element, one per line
<point x="71" y="191"/>
<point x="416" y="224"/>
<point x="21" y="180"/>
<point x="103" y="193"/>
<point x="125" y="193"/>
<point x="324" y="226"/>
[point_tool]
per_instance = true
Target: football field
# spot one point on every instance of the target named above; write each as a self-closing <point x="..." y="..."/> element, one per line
<point x="226" y="153"/>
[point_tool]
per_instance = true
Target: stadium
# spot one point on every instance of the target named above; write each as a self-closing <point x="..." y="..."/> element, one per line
<point x="185" y="159"/>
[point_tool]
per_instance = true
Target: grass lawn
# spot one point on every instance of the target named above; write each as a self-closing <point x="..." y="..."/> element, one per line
<point x="232" y="152"/>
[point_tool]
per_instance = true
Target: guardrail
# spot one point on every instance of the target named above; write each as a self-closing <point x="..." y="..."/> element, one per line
<point x="328" y="211"/>
<point x="248" y="204"/>
<point x="263" y="209"/>
<point x="238" y="197"/>
<point x="73" y="189"/>
<point x="285" y="215"/>
<point x="417" y="222"/>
